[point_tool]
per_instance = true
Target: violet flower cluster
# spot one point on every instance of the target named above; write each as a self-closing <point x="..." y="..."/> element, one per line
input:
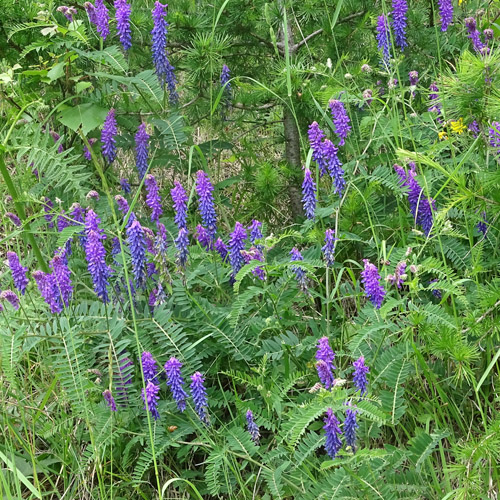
<point x="399" y="276"/>
<point x="141" y="150"/>
<point x="137" y="244"/>
<point x="205" y="189"/>
<point x="236" y="245"/>
<point x="199" y="395"/>
<point x="350" y="426"/>
<point x="109" y="399"/>
<point x="176" y="382"/>
<point x="100" y="18"/>
<point x="333" y="444"/>
<point x="399" y="10"/>
<point x="11" y="298"/>
<point x="150" y="398"/>
<point x="384" y="39"/>
<point x="359" y="377"/>
<point x="182" y="246"/>
<point x="374" y="289"/>
<point x="252" y="427"/>
<point x="445" y="13"/>
<point x="324" y="363"/>
<point x="153" y="199"/>
<point x="123" y="10"/>
<point x="340" y="119"/>
<point x="494" y="137"/>
<point x="329" y="247"/>
<point x="109" y="131"/>
<point x="309" y="195"/>
<point x="256" y="233"/>
<point x="300" y="273"/>
<point x="18" y="272"/>
<point x="180" y="200"/>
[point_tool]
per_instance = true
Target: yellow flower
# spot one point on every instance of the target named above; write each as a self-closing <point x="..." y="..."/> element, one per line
<point x="460" y="2"/>
<point x="443" y="135"/>
<point x="458" y="127"/>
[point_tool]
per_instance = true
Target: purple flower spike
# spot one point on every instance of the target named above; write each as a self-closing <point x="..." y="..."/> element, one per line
<point x="108" y="134"/>
<point x="204" y="189"/>
<point x="474" y="129"/>
<point x="421" y="207"/>
<point x="180" y="200"/>
<point x="176" y="382"/>
<point x="123" y="10"/>
<point x="149" y="368"/>
<point x="359" y="377"/>
<point x="18" y="272"/>
<point x="350" y="426"/>
<point x="300" y="273"/>
<point x="225" y="76"/>
<point x="110" y="400"/>
<point x="252" y="427"/>
<point x="89" y="7"/>
<point x="236" y="245"/>
<point x="255" y="232"/>
<point x="255" y="254"/>
<point x="316" y="136"/>
<point x="199" y="395"/>
<point x="11" y="298"/>
<point x="47" y="208"/>
<point x="334" y="166"/>
<point x="141" y="150"/>
<point x="494" y="137"/>
<point x="164" y="70"/>
<point x="221" y="248"/>
<point x="101" y="19"/>
<point x="340" y="119"/>
<point x="333" y="432"/>
<point x="160" y="243"/>
<point x="329" y="248"/>
<point x="124" y="184"/>
<point x="122" y="204"/>
<point x="399" y="276"/>
<point x="203" y="237"/>
<point x="153" y="199"/>
<point x="48" y="291"/>
<point x="13" y="218"/>
<point x="137" y="244"/>
<point x="474" y="34"/>
<point x="445" y="13"/>
<point x="151" y="399"/>
<point x="309" y="195"/>
<point x="325" y="357"/>
<point x="373" y="287"/>
<point x="482" y="225"/>
<point x="400" y="8"/>
<point x="413" y="75"/>
<point x="61" y="277"/>
<point x="182" y="245"/>
<point x="384" y="39"/>
<point x="86" y="151"/>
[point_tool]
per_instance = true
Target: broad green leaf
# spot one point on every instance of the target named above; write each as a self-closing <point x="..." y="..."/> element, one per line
<point x="88" y="116"/>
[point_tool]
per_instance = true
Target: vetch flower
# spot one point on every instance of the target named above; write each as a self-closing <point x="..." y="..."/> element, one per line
<point x="13" y="218"/>
<point x="225" y="76"/>
<point x="329" y="248"/>
<point x="61" y="277"/>
<point x="108" y="134"/>
<point x="473" y="127"/>
<point x="141" y="150"/>
<point x="399" y="276"/>
<point x="340" y="119"/>
<point x="199" y="395"/>
<point x="482" y="225"/>
<point x="160" y="244"/>
<point x="367" y="96"/>
<point x="182" y="244"/>
<point x="176" y="382"/>
<point x="150" y="398"/>
<point x="252" y="427"/>
<point x="56" y="137"/>
<point x="123" y="10"/>
<point x="203" y="237"/>
<point x="350" y="426"/>
<point x="89" y="7"/>
<point x="474" y="34"/>
<point x="180" y="200"/>
<point x="68" y="12"/>
<point x="255" y="254"/>
<point x="334" y="166"/>
<point x="309" y="195"/>
<point x="435" y="291"/>
<point x="18" y="272"/>
<point x="86" y="152"/>
<point x="125" y="186"/>
<point x="149" y="368"/>
<point x="333" y="432"/>
<point x="122" y="204"/>
<point x="137" y="244"/>
<point x="421" y="207"/>
<point x="47" y="208"/>
<point x="494" y="137"/>
<point x="445" y="13"/>
<point x="256" y="233"/>
<point x="110" y="400"/>
<point x="92" y="195"/>
<point x="11" y="298"/>
<point x="300" y="273"/>
<point x="236" y="245"/>
<point x="204" y="189"/>
<point x="221" y="248"/>
<point x="359" y="377"/>
<point x="373" y="287"/>
<point x="325" y="357"/>
<point x="399" y="10"/>
<point x="316" y="136"/>
<point x="384" y="39"/>
<point x="153" y="199"/>
<point x="48" y="291"/>
<point x="101" y="19"/>
<point x="413" y="75"/>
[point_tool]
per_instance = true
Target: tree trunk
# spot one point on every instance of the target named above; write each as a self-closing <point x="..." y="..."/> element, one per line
<point x="292" y="156"/>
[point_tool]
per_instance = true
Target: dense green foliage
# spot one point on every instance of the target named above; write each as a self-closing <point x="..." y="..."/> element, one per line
<point x="429" y="426"/>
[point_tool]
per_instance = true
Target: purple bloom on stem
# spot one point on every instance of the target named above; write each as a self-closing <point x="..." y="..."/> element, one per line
<point x="124" y="184"/>
<point x="399" y="276"/>
<point x="494" y="137"/>
<point x="122" y="204"/>
<point x="400" y="8"/>
<point x="254" y="254"/>
<point x="473" y="127"/>
<point x="160" y="245"/>
<point x="182" y="245"/>
<point x="48" y="291"/>
<point x="225" y="76"/>
<point x="420" y="206"/>
<point x="340" y="120"/>
<point x="110" y="400"/>
<point x="153" y="199"/>
<point x="435" y="291"/>
<point x="482" y="225"/>
<point x="384" y="39"/>
<point x="413" y="75"/>
<point x="176" y="382"/>
<point x="221" y="248"/>
<point x="329" y="248"/>
<point x="199" y="395"/>
<point x="474" y="34"/>
<point x="333" y="432"/>
<point x="89" y="7"/>
<point x="47" y="208"/>
<point x="18" y="272"/>
<point x="61" y="278"/>
<point x="11" y="298"/>
<point x="204" y="189"/>
<point x="141" y="150"/>
<point x="350" y="426"/>
<point x="373" y="287"/>
<point x="149" y="368"/>
<point x="13" y="218"/>
<point x="101" y="19"/>
<point x="164" y="70"/>
<point x="359" y="377"/>
<point x="123" y="10"/>
<point x="252" y="427"/>
<point x="92" y="195"/>
<point x="62" y="221"/>
<point x="445" y="13"/>
<point x="300" y="273"/>
<point x="316" y="136"/>
<point x="180" y="200"/>
<point x="86" y="152"/>
<point x="68" y="12"/>
<point x="325" y="357"/>
<point x="108" y="134"/>
<point x="203" y="237"/>
<point x="236" y="245"/>
<point x="334" y="166"/>
<point x="56" y="137"/>
<point x="137" y="244"/>
<point x="255" y="232"/>
<point x="309" y="195"/>
<point x="151" y="399"/>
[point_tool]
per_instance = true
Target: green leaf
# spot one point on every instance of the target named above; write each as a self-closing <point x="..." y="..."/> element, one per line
<point x="57" y="71"/>
<point x="88" y="116"/>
